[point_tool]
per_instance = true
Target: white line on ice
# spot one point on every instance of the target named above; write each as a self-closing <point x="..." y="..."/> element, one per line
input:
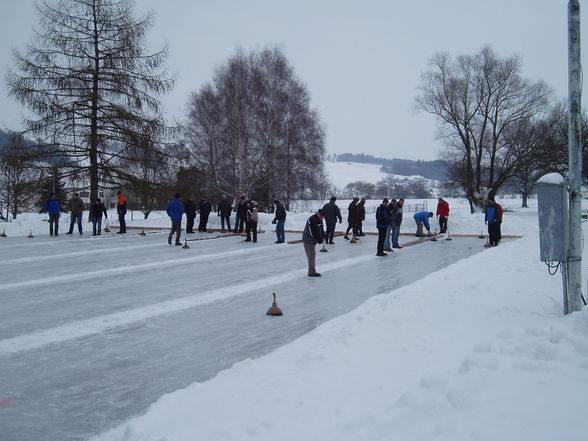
<point x="124" y="269"/>
<point x="103" y="323"/>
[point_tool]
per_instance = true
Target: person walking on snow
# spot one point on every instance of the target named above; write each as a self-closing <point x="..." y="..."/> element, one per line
<point x="279" y="220"/>
<point x="121" y="209"/>
<point x="204" y="208"/>
<point x="76" y="208"/>
<point x="175" y="210"/>
<point x="53" y="207"/>
<point x="190" y="209"/>
<point x="382" y="223"/>
<point x="223" y="210"/>
<point x="313" y="234"/>
<point x="251" y="219"/>
<point x="422" y="218"/>
<point x="97" y="210"/>
<point x="442" y="214"/>
<point x="332" y="213"/>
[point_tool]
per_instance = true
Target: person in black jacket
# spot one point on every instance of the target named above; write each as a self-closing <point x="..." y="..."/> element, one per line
<point x="352" y="218"/>
<point x="97" y="210"/>
<point x="382" y="223"/>
<point x="360" y="217"/>
<point x="190" y="209"/>
<point x="241" y="215"/>
<point x="223" y="210"/>
<point x="313" y="233"/>
<point x="332" y="213"/>
<point x="279" y="220"/>
<point x="205" y="208"/>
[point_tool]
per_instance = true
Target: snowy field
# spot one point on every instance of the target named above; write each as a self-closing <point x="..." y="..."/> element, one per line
<point x="439" y="341"/>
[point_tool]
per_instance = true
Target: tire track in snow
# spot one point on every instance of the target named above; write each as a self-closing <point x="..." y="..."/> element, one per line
<point x="106" y="322"/>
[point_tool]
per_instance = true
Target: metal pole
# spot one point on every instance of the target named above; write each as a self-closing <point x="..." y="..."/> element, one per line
<point x="575" y="158"/>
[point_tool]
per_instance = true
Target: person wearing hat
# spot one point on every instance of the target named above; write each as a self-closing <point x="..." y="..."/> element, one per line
<point x="313" y="234"/>
<point x="382" y="223"/>
<point x="204" y="208"/>
<point x="76" y="207"/>
<point x="241" y="215"/>
<point x="175" y="210"/>
<point x="279" y="220"/>
<point x="97" y="210"/>
<point x="121" y="209"/>
<point x="332" y="213"/>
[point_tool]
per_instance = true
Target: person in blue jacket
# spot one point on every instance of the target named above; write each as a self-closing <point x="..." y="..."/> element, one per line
<point x="175" y="210"/>
<point x="53" y="207"/>
<point x="492" y="219"/>
<point x="422" y="219"/>
<point x="382" y="223"/>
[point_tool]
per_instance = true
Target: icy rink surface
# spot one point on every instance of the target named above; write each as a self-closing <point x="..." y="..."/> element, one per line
<point x="94" y="330"/>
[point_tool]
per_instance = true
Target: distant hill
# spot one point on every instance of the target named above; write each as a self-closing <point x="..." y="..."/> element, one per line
<point x="437" y="169"/>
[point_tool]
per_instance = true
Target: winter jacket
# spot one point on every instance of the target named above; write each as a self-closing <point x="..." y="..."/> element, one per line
<point x="313" y="230"/>
<point x="443" y="209"/>
<point x="204" y="207"/>
<point x="190" y="208"/>
<point x="53" y="206"/>
<point x="397" y="216"/>
<point x="121" y="206"/>
<point x="353" y="216"/>
<point x="242" y="210"/>
<point x="382" y="214"/>
<point x="175" y="210"/>
<point x="280" y="212"/>
<point x="252" y="215"/>
<point x="332" y="213"/>
<point x="97" y="210"/>
<point x="76" y="205"/>
<point x="423" y="216"/>
<point x="224" y="208"/>
<point x="361" y="211"/>
<point x="499" y="207"/>
<point x="492" y="214"/>
<point x="392" y="214"/>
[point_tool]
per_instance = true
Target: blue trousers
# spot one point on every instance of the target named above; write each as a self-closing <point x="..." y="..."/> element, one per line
<point x="281" y="236"/>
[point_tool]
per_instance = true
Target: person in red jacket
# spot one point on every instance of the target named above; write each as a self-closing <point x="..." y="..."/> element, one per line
<point x="498" y="231"/>
<point x="442" y="214"/>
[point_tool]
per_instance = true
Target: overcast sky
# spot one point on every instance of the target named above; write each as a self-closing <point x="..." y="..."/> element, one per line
<point x="361" y="60"/>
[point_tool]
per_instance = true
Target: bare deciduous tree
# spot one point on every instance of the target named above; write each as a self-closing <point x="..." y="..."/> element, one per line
<point x="478" y="100"/>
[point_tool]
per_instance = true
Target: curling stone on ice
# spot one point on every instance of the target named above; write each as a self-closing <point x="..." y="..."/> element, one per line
<point x="3" y="233"/>
<point x="274" y="309"/>
<point x="434" y="237"/>
<point x="185" y="244"/>
<point x="324" y="249"/>
<point x="30" y="236"/>
<point x="142" y="233"/>
<point x="481" y="236"/>
<point x="449" y="236"/>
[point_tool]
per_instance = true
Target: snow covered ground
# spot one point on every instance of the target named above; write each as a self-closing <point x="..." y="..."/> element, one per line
<point x="419" y="345"/>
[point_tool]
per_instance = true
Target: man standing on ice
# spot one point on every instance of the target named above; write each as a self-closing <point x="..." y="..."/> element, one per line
<point x="121" y="209"/>
<point x="175" y="210"/>
<point x="204" y="208"/>
<point x="382" y="223"/>
<point x="332" y="213"/>
<point x="492" y="218"/>
<point x="279" y="220"/>
<point x="313" y="233"/>
<point x="422" y="219"/>
<point x="53" y="207"/>
<point x="442" y="214"/>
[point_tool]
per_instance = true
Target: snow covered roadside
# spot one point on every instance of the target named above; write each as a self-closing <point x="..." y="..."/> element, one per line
<point x="478" y="351"/>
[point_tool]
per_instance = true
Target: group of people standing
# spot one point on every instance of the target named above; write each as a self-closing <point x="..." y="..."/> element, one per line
<point x="246" y="216"/>
<point x="76" y="209"/>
